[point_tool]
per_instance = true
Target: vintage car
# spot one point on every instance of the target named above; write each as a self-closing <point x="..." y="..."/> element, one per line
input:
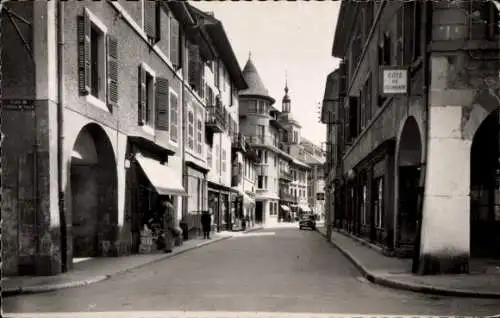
<point x="307" y="221"/>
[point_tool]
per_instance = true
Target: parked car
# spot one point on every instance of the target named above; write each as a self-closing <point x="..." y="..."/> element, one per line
<point x="307" y="221"/>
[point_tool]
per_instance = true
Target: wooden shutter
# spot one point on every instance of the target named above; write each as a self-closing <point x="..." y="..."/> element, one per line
<point x="112" y="91"/>
<point x="173" y="117"/>
<point x="174" y="41"/>
<point x="141" y="113"/>
<point x="84" y="53"/>
<point x="194" y="65"/>
<point x="408" y="34"/>
<point x="150" y="15"/>
<point x="162" y="103"/>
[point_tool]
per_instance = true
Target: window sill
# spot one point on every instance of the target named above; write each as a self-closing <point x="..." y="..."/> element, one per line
<point x="94" y="101"/>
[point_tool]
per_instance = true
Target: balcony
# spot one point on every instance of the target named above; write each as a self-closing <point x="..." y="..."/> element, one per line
<point x="215" y="122"/>
<point x="239" y="143"/>
<point x="262" y="140"/>
<point x="285" y="176"/>
<point x="285" y="196"/>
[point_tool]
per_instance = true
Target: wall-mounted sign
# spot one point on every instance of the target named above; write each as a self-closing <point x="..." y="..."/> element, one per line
<point x="394" y="80"/>
<point x="320" y="196"/>
<point x="18" y="104"/>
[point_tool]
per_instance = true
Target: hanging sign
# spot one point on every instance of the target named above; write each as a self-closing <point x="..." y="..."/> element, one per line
<point x="394" y="80"/>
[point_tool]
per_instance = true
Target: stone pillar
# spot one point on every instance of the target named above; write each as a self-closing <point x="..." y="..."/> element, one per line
<point x="47" y="259"/>
<point x="445" y="230"/>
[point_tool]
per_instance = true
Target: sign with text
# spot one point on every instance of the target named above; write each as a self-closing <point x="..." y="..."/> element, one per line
<point x="18" y="104"/>
<point x="320" y="196"/>
<point x="394" y="80"/>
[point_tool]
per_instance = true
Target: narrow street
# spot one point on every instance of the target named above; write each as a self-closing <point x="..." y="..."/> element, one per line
<point x="273" y="270"/>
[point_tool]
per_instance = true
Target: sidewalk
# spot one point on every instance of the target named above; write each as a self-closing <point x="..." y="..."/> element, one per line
<point x="95" y="270"/>
<point x="396" y="273"/>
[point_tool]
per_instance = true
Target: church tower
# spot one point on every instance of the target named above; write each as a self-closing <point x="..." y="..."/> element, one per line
<point x="285" y="104"/>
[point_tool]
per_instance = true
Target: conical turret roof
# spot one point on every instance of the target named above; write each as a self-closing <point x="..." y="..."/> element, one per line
<point x="255" y="85"/>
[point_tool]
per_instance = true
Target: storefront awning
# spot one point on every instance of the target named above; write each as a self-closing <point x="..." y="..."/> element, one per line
<point x="247" y="200"/>
<point x="285" y="208"/>
<point x="164" y="178"/>
<point x="304" y="208"/>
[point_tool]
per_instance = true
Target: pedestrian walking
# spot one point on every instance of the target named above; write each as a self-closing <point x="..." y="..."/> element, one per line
<point x="169" y="225"/>
<point x="206" y="222"/>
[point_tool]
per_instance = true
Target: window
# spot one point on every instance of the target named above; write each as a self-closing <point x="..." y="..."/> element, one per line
<point x="379" y="202"/>
<point x="209" y="156"/>
<point x="146" y="109"/>
<point x="261" y="130"/>
<point x="252" y="106"/>
<point x="190" y="129"/>
<point x="217" y="159"/>
<point x="175" y="53"/>
<point x="295" y="137"/>
<point x="97" y="62"/>
<point x="199" y="135"/>
<point x="260" y="182"/>
<point x="224" y="153"/>
<point x="173" y="116"/>
<point x="364" y="207"/>
<point x="151" y="16"/>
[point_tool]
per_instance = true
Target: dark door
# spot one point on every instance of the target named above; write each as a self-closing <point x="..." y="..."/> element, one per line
<point x="258" y="212"/>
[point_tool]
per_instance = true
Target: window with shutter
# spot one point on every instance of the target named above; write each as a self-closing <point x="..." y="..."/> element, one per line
<point x="173" y="116"/>
<point x="92" y="58"/>
<point x="174" y="42"/>
<point x="151" y="17"/>
<point x="112" y="71"/>
<point x="141" y="109"/>
<point x="162" y="103"/>
<point x="199" y="135"/>
<point x="191" y="130"/>
<point x="146" y="96"/>
<point x="408" y="31"/>
<point x="398" y="56"/>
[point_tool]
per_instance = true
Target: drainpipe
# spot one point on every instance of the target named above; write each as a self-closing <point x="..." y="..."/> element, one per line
<point x="60" y="135"/>
<point x="418" y="266"/>
<point x="184" y="132"/>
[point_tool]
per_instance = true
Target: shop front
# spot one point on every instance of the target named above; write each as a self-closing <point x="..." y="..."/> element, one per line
<point x="151" y="183"/>
<point x="222" y="206"/>
<point x="197" y="197"/>
<point x="243" y="213"/>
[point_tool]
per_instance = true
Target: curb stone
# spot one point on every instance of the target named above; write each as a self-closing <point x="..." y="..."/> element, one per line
<point x="387" y="282"/>
<point x="80" y="283"/>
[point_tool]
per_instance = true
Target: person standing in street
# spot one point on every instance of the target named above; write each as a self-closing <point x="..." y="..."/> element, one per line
<point x="169" y="224"/>
<point x="206" y="221"/>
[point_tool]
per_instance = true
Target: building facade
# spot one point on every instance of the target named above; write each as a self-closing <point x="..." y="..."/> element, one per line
<point x="264" y="129"/>
<point x="416" y="172"/>
<point x="88" y="159"/>
<point x="211" y="124"/>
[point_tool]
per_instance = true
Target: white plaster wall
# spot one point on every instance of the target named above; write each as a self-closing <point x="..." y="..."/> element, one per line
<point x="445" y="223"/>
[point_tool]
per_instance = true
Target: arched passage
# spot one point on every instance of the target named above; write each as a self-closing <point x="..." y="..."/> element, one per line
<point x="485" y="190"/>
<point x="94" y="206"/>
<point x="408" y="165"/>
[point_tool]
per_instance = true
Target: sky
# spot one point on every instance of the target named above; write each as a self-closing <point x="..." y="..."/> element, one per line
<point x="295" y="38"/>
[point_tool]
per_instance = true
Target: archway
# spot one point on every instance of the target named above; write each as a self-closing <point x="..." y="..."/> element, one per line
<point x="94" y="206"/>
<point x="485" y="190"/>
<point x="408" y="165"/>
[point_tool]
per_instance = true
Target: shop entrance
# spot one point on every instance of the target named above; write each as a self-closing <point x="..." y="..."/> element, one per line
<point x="94" y="205"/>
<point x="259" y="212"/>
<point x="485" y="190"/>
<point x="409" y="159"/>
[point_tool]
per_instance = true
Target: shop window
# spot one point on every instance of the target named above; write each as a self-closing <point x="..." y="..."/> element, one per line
<point x="379" y="203"/>
<point x="364" y="207"/>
